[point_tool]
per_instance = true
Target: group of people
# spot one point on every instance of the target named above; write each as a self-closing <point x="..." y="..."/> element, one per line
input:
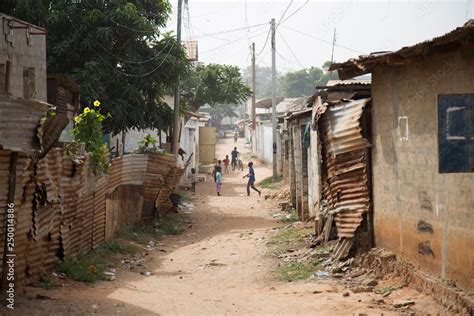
<point x="236" y="163"/>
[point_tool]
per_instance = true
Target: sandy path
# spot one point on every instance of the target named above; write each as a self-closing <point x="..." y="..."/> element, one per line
<point x="218" y="266"/>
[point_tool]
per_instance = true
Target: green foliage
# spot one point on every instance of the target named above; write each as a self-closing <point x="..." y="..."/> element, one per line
<point x="220" y="111"/>
<point x="294" y="271"/>
<point x="293" y="84"/>
<point x="288" y="238"/>
<point x="88" y="268"/>
<point x="268" y="183"/>
<point x="116" y="53"/>
<point x="148" y="145"/>
<point x="46" y="281"/>
<point x="263" y="80"/>
<point x="171" y="224"/>
<point x="88" y="130"/>
<point x="214" y="84"/>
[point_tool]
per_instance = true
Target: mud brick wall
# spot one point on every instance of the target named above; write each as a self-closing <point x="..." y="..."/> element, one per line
<point x="422" y="215"/>
<point x="23" y="50"/>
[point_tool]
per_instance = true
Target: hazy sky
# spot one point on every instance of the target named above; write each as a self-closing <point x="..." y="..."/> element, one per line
<point x="361" y="27"/>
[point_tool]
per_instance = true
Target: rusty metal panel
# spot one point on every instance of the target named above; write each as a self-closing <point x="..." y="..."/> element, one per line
<point x="19" y="119"/>
<point x="345" y="178"/>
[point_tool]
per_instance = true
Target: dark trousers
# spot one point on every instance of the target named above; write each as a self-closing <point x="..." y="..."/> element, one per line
<point x="250" y="184"/>
<point x="193" y="187"/>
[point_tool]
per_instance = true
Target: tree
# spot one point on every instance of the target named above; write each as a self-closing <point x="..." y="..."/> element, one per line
<point x="116" y="53"/>
<point x="302" y="82"/>
<point x="220" y="111"/>
<point x="263" y="80"/>
<point x="214" y="84"/>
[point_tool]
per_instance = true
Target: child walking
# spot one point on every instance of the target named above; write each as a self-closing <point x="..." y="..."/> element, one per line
<point x="251" y="182"/>
<point x="226" y="164"/>
<point x="193" y="180"/>
<point x="218" y="180"/>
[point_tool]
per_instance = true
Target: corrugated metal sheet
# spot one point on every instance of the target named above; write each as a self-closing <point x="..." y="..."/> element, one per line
<point x="19" y="120"/>
<point x="343" y="128"/>
<point x="364" y="64"/>
<point x="61" y="206"/>
<point x="345" y="180"/>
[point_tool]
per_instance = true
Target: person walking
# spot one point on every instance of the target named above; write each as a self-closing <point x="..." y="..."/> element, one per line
<point x="193" y="180"/>
<point x="226" y="164"/>
<point x="234" y="154"/>
<point x="251" y="182"/>
<point x="218" y="180"/>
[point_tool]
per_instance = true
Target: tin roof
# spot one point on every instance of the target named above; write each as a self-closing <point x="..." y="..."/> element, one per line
<point x="364" y="64"/>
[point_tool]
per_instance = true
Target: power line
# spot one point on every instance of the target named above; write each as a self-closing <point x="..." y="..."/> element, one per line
<point x="284" y="12"/>
<point x="229" y="31"/>
<point x="231" y="42"/>
<point x="153" y="70"/>
<point x="296" y="11"/>
<point x="291" y="51"/>
<point x="322" y="40"/>
<point x="266" y="41"/>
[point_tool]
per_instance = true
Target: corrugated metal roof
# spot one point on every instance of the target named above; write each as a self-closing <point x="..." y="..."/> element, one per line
<point x="364" y="64"/>
<point x="348" y="82"/>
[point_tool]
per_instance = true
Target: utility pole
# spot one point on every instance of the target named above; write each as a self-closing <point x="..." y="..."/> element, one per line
<point x="176" y="126"/>
<point x="332" y="53"/>
<point x="274" y="119"/>
<point x="252" y="115"/>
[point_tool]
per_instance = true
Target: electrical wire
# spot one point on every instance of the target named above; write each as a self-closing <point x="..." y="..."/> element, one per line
<point x="153" y="70"/>
<point x="266" y="41"/>
<point x="322" y="40"/>
<point x="296" y="11"/>
<point x="232" y="42"/>
<point x="283" y="14"/>
<point x="291" y="51"/>
<point x="229" y="31"/>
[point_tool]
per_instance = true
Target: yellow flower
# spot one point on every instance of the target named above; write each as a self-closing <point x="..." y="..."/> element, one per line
<point x="87" y="110"/>
<point x="77" y="119"/>
<point x="96" y="103"/>
<point x="92" y="269"/>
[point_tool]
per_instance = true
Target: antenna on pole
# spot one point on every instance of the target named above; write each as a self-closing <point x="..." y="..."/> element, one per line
<point x="332" y="52"/>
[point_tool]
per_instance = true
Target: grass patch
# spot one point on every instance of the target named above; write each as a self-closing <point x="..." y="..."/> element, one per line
<point x="171" y="224"/>
<point x="290" y="217"/>
<point x="46" y="282"/>
<point x="90" y="267"/>
<point x="268" y="183"/>
<point x="294" y="271"/>
<point x="288" y="238"/>
<point x="87" y="268"/>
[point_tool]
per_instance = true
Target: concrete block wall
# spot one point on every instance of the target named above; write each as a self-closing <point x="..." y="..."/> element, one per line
<point x="424" y="216"/>
<point x="23" y="55"/>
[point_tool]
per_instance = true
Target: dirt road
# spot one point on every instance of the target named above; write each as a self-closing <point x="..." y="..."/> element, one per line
<point x="218" y="266"/>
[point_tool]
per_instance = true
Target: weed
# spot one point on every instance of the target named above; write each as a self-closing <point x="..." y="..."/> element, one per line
<point x="288" y="238"/>
<point x="268" y="183"/>
<point x="291" y="217"/>
<point x="293" y="271"/>
<point x="46" y="281"/>
<point x="118" y="246"/>
<point x="88" y="268"/>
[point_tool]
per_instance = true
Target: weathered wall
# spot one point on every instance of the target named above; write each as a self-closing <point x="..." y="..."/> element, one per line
<point x="264" y="150"/>
<point x="23" y="50"/>
<point x="422" y="215"/>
